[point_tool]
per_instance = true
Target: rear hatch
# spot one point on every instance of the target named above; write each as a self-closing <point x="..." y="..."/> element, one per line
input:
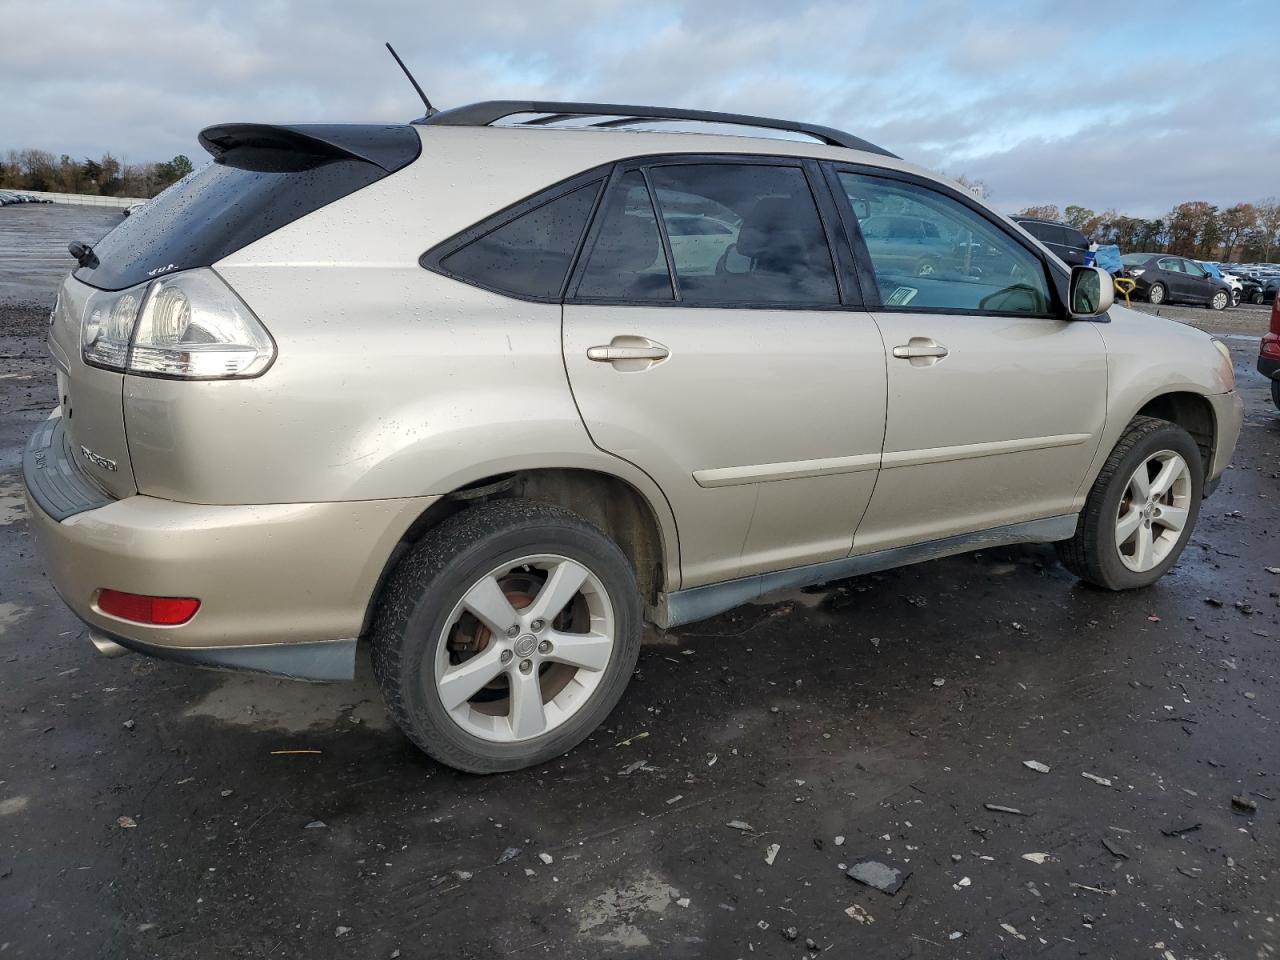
<point x="262" y="177"/>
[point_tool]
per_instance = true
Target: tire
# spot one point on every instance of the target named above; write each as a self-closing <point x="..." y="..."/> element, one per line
<point x="421" y="620"/>
<point x="1220" y="300"/>
<point x="1256" y="298"/>
<point x="1235" y="298"/>
<point x="1275" y="393"/>
<point x="1092" y="554"/>
<point x="1156" y="294"/>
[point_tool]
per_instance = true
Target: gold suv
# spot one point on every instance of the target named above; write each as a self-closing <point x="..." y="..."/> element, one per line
<point x="491" y="390"/>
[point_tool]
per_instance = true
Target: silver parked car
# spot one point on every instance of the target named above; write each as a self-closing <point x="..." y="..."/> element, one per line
<point x="490" y="395"/>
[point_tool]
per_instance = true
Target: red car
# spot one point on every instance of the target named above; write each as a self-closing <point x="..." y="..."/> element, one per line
<point x="1269" y="352"/>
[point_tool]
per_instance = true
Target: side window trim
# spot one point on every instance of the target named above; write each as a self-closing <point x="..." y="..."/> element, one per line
<point x="1058" y="281"/>
<point x="827" y="206"/>
<point x="588" y="242"/>
<point x="661" y="223"/>
<point x="432" y="258"/>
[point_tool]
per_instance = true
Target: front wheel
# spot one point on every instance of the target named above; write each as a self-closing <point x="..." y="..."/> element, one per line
<point x="506" y="635"/>
<point x="1156" y="294"/>
<point x="1220" y="300"/>
<point x="1140" y="512"/>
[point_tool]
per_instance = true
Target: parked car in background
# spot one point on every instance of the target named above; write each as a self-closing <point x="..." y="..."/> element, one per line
<point x="1231" y="280"/>
<point x="7" y="198"/>
<point x="1062" y="238"/>
<point x="911" y="244"/>
<point x="1163" y="277"/>
<point x="1269" y="352"/>
<point x="1270" y="287"/>
<point x="331" y="389"/>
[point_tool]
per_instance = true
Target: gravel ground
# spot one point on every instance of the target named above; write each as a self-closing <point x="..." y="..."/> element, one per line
<point x="145" y="810"/>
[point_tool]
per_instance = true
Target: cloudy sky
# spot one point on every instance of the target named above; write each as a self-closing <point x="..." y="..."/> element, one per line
<point x="1108" y="105"/>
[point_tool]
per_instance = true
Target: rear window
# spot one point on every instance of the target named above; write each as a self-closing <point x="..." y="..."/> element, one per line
<point x="225" y="205"/>
<point x="530" y="255"/>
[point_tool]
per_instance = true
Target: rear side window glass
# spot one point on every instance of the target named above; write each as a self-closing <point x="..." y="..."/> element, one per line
<point x="627" y="261"/>
<point x="759" y="238"/>
<point x="956" y="260"/>
<point x="530" y="255"/>
<point x="1075" y="238"/>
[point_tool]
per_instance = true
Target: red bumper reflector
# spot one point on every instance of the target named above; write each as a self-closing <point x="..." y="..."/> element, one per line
<point x="166" y="611"/>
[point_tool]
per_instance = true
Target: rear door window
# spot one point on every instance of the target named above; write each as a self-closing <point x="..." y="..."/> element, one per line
<point x="530" y="255"/>
<point x="767" y="247"/>
<point x="627" y="261"/>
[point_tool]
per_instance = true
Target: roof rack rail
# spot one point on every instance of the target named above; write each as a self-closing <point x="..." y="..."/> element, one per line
<point x="550" y="111"/>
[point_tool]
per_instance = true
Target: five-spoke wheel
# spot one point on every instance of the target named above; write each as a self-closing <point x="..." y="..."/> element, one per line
<point x="506" y="635"/>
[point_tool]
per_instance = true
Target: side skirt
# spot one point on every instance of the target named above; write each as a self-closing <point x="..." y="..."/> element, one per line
<point x="699" y="603"/>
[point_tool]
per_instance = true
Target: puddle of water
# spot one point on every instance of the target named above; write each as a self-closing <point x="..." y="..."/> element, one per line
<point x="12" y="504"/>
<point x="291" y="706"/>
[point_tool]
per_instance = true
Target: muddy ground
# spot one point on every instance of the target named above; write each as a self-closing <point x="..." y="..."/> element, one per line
<point x="887" y="711"/>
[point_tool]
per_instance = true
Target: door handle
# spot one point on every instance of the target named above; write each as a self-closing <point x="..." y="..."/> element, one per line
<point x="629" y="353"/>
<point x="610" y="354"/>
<point x="921" y="351"/>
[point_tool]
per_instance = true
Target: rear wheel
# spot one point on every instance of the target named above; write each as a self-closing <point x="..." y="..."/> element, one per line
<point x="1275" y="393"/>
<point x="506" y="636"/>
<point x="1141" y="510"/>
<point x="1220" y="300"/>
<point x="1157" y="293"/>
<point x="1256" y="297"/>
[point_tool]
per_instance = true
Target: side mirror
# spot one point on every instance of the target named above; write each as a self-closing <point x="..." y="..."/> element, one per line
<point x="1091" y="292"/>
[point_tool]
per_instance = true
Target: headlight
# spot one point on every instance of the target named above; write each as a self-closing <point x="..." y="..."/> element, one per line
<point x="189" y="325"/>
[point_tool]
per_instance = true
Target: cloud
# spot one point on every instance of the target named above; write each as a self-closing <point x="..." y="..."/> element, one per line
<point x="1044" y="101"/>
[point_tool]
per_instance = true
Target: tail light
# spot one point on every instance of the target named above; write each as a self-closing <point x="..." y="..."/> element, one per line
<point x="1270" y="346"/>
<point x="188" y="326"/>
<point x="139" y="608"/>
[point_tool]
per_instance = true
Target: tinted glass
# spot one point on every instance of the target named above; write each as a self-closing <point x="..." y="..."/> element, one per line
<point x="1075" y="238"/>
<point x="961" y="262"/>
<point x="1193" y="268"/>
<point x="1169" y="263"/>
<point x="530" y="255"/>
<point x="1135" y="259"/>
<point x="762" y="243"/>
<point x="626" y="261"/>
<point x="219" y="208"/>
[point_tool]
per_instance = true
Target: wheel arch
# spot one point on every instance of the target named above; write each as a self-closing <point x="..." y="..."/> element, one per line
<point x="1192" y="412"/>
<point x="639" y="521"/>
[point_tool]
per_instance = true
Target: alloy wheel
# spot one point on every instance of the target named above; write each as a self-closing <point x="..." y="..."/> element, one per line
<point x="524" y="649"/>
<point x="1157" y="294"/>
<point x="1153" y="511"/>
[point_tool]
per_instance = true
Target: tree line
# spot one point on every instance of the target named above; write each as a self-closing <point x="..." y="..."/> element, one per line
<point x="1246" y="232"/>
<point x="106" y="176"/>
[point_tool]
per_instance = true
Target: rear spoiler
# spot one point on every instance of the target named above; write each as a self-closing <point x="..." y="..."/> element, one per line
<point x="388" y="146"/>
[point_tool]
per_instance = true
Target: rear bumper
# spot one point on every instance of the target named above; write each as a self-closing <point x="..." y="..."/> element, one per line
<point x="283" y="588"/>
<point x="1269" y="367"/>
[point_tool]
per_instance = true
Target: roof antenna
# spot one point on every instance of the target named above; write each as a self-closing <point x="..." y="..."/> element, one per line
<point x="431" y="111"/>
